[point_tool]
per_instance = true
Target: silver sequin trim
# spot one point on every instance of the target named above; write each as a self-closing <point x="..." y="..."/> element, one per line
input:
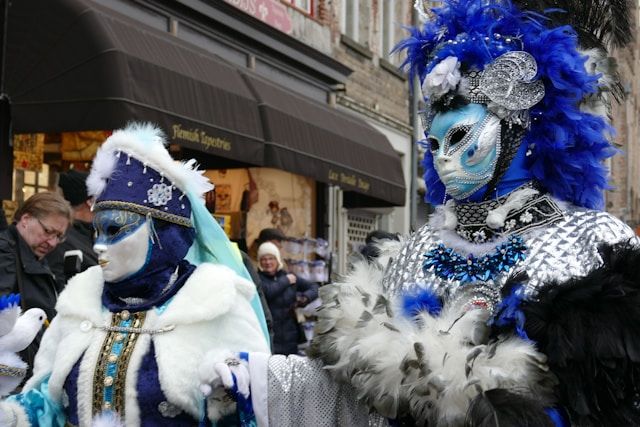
<point x="302" y="393"/>
<point x="564" y="249"/>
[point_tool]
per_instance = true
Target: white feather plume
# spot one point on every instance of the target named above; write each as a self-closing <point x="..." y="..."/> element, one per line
<point x="461" y="363"/>
<point x="145" y="142"/>
<point x="433" y="367"/>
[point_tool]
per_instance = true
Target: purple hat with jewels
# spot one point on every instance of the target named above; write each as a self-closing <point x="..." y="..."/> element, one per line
<point x="133" y="171"/>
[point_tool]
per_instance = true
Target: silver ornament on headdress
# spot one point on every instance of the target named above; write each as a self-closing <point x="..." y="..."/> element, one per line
<point x="508" y="81"/>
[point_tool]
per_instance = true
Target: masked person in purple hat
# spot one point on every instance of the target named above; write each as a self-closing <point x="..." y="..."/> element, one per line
<point x="151" y="335"/>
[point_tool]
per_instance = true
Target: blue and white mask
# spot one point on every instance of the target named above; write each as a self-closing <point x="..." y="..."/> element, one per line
<point x="465" y="145"/>
<point x="123" y="243"/>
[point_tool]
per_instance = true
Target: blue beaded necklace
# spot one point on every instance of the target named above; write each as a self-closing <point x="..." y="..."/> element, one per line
<point x="448" y="264"/>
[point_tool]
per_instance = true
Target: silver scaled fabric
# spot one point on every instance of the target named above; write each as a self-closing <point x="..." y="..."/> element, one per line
<point x="563" y="249"/>
<point x="302" y="393"/>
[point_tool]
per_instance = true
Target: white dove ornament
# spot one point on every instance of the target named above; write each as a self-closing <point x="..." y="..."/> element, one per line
<point x="16" y="333"/>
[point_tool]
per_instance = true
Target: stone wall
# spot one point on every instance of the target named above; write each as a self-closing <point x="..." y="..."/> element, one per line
<point x="624" y="200"/>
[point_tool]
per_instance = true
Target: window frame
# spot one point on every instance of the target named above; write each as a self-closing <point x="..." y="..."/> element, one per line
<point x="310" y="10"/>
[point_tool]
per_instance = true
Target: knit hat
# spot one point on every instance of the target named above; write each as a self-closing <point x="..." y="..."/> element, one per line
<point x="268" y="248"/>
<point x="74" y="186"/>
<point x="268" y="234"/>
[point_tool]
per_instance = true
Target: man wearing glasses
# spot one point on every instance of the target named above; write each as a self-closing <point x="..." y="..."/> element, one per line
<point x="39" y="226"/>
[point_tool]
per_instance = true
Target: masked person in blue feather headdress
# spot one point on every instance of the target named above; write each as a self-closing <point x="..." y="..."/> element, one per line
<point x="517" y="303"/>
<point x="152" y="334"/>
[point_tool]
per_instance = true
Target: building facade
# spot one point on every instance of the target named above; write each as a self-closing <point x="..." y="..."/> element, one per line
<point x="624" y="199"/>
<point x="294" y="107"/>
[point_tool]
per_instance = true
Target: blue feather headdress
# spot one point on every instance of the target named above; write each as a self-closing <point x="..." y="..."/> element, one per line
<point x="567" y="144"/>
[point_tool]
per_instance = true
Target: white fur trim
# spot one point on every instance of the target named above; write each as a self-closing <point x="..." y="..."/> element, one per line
<point x="450" y="218"/>
<point x="259" y="370"/>
<point x="107" y="419"/>
<point x="81" y="297"/>
<point x="85" y="378"/>
<point x="197" y="303"/>
<point x="8" y="410"/>
<point x="145" y="142"/>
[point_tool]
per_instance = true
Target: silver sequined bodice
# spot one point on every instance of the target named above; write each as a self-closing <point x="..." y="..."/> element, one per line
<point x="556" y="252"/>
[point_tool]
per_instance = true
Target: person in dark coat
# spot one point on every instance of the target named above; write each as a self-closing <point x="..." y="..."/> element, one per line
<point x="284" y="292"/>
<point x="75" y="254"/>
<point x="40" y="225"/>
<point x="255" y="277"/>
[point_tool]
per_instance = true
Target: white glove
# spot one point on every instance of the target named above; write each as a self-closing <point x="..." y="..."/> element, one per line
<point x="226" y="370"/>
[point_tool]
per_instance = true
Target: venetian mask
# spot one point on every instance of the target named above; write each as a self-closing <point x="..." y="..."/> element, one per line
<point x="465" y="144"/>
<point x="123" y="243"/>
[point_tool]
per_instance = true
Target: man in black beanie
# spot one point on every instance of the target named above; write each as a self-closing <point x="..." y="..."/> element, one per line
<point x="76" y="253"/>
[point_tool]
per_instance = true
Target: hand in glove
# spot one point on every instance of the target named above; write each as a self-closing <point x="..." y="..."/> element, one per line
<point x="224" y="369"/>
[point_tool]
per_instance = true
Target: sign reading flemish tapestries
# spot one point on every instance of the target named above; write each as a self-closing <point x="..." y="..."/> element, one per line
<point x="201" y="137"/>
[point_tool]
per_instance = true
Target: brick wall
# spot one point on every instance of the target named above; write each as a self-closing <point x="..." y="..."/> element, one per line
<point x="624" y="200"/>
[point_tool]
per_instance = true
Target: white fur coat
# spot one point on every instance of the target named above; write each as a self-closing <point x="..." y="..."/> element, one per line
<point x="211" y="315"/>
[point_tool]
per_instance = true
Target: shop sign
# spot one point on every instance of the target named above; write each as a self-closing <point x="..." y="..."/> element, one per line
<point x="268" y="11"/>
<point x="28" y="151"/>
<point x="349" y="179"/>
<point x="198" y="136"/>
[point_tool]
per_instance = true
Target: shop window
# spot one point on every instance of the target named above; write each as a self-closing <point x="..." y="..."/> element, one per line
<point x="387" y="28"/>
<point x="304" y="5"/>
<point x="359" y="225"/>
<point x="354" y="20"/>
<point x="26" y="183"/>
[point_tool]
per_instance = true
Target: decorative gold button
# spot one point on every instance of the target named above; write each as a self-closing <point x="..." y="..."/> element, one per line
<point x="113" y="358"/>
<point x="124" y="315"/>
<point x="106" y="405"/>
<point x="108" y="381"/>
<point x="119" y="337"/>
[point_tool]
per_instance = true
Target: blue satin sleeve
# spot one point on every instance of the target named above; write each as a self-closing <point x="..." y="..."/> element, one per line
<point x="40" y="408"/>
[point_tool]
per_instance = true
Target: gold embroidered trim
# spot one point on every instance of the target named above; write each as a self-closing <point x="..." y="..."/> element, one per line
<point x="123" y="364"/>
<point x="11" y="371"/>
<point x="144" y="210"/>
<point x="100" y="374"/>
